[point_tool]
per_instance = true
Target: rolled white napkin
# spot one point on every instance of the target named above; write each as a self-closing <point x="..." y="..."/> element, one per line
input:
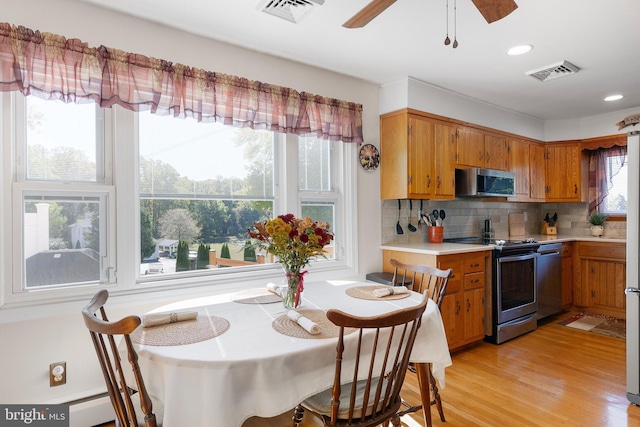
<point x="309" y="325"/>
<point x="157" y="319"/>
<point x="276" y="289"/>
<point x="390" y="290"/>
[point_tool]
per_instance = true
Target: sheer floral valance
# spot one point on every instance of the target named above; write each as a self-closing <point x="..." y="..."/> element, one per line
<point x="53" y="67"/>
<point x="604" y="164"/>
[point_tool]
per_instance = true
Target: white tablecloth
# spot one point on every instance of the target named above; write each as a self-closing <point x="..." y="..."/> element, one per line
<point x="253" y="370"/>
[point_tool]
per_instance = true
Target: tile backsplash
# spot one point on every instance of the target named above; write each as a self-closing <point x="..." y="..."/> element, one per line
<point x="465" y="218"/>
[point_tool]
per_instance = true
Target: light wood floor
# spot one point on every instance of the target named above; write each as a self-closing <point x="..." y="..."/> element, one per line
<point x="554" y="376"/>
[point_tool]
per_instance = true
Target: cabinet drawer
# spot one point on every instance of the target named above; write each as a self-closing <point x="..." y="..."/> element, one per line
<point x="474" y="265"/>
<point x="474" y="280"/>
<point x="455" y="281"/>
<point x="603" y="250"/>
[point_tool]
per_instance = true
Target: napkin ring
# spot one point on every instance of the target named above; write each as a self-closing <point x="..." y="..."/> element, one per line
<point x="173" y="318"/>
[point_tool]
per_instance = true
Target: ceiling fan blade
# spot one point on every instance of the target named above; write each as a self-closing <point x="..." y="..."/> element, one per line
<point x="366" y="15"/>
<point x="493" y="10"/>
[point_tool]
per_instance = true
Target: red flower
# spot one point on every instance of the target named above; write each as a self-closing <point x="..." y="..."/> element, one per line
<point x="288" y="218"/>
<point x="304" y="238"/>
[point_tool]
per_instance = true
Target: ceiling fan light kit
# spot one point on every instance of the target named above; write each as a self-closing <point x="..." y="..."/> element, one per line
<point x="491" y="10"/>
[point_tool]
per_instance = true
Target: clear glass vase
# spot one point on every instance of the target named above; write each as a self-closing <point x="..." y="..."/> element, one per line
<point x="292" y="289"/>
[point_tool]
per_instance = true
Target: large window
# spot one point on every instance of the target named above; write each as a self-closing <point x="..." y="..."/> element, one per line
<point x="76" y="176"/>
<point x="60" y="198"/>
<point x="204" y="185"/>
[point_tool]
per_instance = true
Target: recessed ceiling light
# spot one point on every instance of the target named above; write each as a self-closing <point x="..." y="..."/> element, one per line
<point x="613" y="97"/>
<point x="519" y="50"/>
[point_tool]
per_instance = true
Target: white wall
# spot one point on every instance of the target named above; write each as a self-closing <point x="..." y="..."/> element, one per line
<point x="419" y="95"/>
<point x="57" y="333"/>
<point x="588" y="127"/>
<point x="413" y="93"/>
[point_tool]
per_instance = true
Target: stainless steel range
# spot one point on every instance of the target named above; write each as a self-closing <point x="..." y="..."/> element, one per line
<point x="514" y="298"/>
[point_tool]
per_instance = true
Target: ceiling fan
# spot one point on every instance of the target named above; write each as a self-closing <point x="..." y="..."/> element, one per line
<point x="492" y="10"/>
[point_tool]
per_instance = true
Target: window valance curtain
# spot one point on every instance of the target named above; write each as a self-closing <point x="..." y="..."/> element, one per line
<point x="604" y="164"/>
<point x="53" y="67"/>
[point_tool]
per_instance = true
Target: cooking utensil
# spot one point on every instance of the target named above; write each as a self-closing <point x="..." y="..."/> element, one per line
<point x="399" y="229"/>
<point x="443" y="214"/>
<point x="435" y="216"/>
<point x="410" y="226"/>
<point x="420" y="216"/>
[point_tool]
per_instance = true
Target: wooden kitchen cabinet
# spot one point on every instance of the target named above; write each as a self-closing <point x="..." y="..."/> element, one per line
<point x="526" y="161"/>
<point x="566" y="279"/>
<point x="416" y="156"/>
<point x="564" y="172"/>
<point x="463" y="307"/>
<point x="470" y="147"/>
<point x="476" y="148"/>
<point x="599" y="277"/>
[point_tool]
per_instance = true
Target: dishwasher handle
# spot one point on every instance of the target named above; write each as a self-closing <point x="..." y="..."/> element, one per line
<point x="541" y="253"/>
<point x="550" y="249"/>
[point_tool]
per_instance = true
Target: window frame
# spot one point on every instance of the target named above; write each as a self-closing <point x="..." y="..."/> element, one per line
<point x="287" y="198"/>
<point x="120" y="187"/>
<point x="617" y="215"/>
<point x="15" y="185"/>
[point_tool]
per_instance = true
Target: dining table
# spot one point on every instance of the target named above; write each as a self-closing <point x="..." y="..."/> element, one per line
<point x="243" y="356"/>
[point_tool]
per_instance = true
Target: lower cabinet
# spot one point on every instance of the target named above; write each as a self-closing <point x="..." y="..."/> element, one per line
<point x="599" y="277"/>
<point x="463" y="307"/>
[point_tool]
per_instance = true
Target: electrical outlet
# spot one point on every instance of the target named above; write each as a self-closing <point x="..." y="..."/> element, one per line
<point x="57" y="374"/>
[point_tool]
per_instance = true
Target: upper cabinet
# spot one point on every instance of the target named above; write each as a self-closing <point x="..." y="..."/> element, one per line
<point x="416" y="156"/>
<point x="476" y="148"/>
<point x="564" y="172"/>
<point x="526" y="161"/>
<point x="419" y="153"/>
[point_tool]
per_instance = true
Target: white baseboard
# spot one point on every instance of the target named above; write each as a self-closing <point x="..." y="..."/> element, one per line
<point x="91" y="412"/>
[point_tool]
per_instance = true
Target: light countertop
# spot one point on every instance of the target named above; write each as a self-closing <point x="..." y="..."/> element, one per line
<point x="455" y="248"/>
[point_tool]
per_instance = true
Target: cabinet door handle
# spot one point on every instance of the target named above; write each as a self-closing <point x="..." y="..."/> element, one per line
<point x="575" y="188"/>
<point x="429" y="181"/>
<point x="457" y="307"/>
<point x="468" y="305"/>
<point x="474" y="265"/>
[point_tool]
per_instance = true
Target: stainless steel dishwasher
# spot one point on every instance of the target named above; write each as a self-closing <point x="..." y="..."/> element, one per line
<point x="548" y="279"/>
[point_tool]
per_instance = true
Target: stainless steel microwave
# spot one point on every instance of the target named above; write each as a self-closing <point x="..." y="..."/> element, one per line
<point x="479" y="182"/>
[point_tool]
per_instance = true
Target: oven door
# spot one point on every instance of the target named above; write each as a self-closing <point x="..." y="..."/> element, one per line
<point x="515" y="286"/>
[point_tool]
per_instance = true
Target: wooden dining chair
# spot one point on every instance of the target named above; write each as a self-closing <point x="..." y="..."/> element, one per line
<point x="431" y="282"/>
<point x="368" y="394"/>
<point x="133" y="405"/>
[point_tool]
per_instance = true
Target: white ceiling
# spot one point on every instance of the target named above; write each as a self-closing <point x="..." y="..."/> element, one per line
<point x="601" y="37"/>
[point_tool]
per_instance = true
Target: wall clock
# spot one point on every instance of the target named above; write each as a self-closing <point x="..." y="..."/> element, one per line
<point x="369" y="157"/>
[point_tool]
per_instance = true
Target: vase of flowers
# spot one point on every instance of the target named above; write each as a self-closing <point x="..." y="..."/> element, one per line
<point x="294" y="241"/>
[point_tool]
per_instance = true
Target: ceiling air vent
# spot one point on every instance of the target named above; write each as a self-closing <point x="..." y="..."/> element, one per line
<point x="291" y="10"/>
<point x="554" y="71"/>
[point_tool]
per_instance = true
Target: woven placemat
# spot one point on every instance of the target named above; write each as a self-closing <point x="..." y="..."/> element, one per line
<point x="290" y="328"/>
<point x="181" y="333"/>
<point x="366" y="292"/>
<point x="256" y="296"/>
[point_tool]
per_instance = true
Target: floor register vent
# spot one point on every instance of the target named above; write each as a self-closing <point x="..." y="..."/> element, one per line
<point x="291" y="10"/>
<point x="550" y="72"/>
